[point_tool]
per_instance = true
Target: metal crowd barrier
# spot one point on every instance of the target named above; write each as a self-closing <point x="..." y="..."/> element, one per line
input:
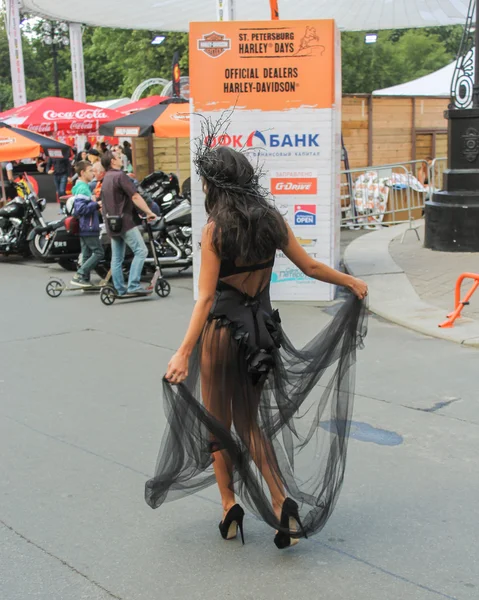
<point x="402" y="203"/>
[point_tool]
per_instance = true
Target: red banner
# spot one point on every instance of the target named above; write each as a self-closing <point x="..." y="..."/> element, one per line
<point x="274" y="10"/>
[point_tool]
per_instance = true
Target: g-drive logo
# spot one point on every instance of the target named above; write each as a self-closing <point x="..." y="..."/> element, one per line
<point x="305" y="214"/>
<point x="256" y="139"/>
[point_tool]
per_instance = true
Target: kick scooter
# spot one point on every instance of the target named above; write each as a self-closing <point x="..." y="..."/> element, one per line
<point x="158" y="283"/>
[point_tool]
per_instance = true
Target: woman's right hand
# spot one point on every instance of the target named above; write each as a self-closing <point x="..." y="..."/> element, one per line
<point x="358" y="287"/>
<point x="177" y="370"/>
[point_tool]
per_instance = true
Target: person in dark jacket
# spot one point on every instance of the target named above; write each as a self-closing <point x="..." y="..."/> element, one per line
<point x="87" y="209"/>
<point x="62" y="170"/>
<point x="127" y="151"/>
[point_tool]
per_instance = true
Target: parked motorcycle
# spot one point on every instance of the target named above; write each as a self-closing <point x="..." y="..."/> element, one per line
<point x="18" y="219"/>
<point x="53" y="243"/>
<point x="174" y="236"/>
<point x="172" y="233"/>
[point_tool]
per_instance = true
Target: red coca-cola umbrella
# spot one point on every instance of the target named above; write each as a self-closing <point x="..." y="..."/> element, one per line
<point x="50" y="115"/>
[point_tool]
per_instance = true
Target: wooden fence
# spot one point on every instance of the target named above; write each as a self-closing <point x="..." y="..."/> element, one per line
<point x="380" y="130"/>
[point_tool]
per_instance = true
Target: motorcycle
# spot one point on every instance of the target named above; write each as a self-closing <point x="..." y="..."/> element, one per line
<point x="53" y="243"/>
<point x="172" y="233"/>
<point x="18" y="219"/>
<point x="173" y="237"/>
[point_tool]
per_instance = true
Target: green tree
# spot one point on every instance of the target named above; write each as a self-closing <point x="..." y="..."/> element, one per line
<point x="117" y="61"/>
<point x="450" y="37"/>
<point x="366" y="67"/>
<point x="398" y="56"/>
<point x="419" y="53"/>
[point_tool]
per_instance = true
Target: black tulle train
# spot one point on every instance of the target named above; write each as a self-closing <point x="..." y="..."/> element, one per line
<point x="267" y="406"/>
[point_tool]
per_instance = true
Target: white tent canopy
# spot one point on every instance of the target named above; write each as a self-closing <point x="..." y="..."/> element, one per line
<point x="434" y="84"/>
<point x="175" y="15"/>
<point x="112" y="104"/>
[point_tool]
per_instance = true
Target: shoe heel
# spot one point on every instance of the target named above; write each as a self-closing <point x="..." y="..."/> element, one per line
<point x="298" y="520"/>
<point x="289" y="519"/>
<point x="231" y="523"/>
<point x="240" y="526"/>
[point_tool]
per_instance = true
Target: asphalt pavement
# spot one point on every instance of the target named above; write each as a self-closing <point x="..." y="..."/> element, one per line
<point x="81" y="418"/>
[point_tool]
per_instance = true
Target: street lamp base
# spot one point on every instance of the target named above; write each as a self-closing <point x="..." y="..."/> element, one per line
<point x="452" y="214"/>
<point x="452" y="222"/>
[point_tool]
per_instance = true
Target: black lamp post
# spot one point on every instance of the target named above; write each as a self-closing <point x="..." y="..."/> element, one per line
<point x="452" y="214"/>
<point x="55" y="34"/>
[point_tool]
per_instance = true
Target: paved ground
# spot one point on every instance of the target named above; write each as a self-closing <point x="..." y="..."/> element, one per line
<point x="80" y="423"/>
<point x="434" y="274"/>
<point x="405" y="280"/>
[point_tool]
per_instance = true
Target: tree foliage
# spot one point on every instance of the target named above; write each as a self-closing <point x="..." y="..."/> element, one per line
<point x="118" y="60"/>
<point x="398" y="56"/>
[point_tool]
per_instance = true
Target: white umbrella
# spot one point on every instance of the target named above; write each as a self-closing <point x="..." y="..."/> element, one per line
<point x="175" y="15"/>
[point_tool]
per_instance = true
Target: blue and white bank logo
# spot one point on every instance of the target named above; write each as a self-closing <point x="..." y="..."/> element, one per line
<point x="256" y="139"/>
<point x="305" y="214"/>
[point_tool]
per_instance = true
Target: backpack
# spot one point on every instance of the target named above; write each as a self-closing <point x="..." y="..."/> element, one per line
<point x="70" y="205"/>
<point x="72" y="225"/>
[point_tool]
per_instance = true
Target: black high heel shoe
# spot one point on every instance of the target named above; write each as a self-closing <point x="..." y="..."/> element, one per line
<point x="232" y="522"/>
<point x="289" y="520"/>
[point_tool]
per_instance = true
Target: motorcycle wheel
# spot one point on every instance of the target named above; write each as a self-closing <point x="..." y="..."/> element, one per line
<point x="36" y="245"/>
<point x="69" y="264"/>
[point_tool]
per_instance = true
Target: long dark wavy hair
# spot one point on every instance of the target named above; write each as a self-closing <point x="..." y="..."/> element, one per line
<point x="247" y="224"/>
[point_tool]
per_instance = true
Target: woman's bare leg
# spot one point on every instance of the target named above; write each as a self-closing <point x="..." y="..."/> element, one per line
<point x="218" y="404"/>
<point x="263" y="457"/>
<point x="260" y="449"/>
<point x="217" y="400"/>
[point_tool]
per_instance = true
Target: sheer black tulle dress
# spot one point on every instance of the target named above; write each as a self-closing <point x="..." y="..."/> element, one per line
<point x="279" y="415"/>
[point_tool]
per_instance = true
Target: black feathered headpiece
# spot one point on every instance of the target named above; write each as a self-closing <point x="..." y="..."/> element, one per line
<point x="247" y="225"/>
<point x="208" y="166"/>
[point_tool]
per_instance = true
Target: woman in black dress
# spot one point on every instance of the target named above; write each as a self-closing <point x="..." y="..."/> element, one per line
<point x="239" y="396"/>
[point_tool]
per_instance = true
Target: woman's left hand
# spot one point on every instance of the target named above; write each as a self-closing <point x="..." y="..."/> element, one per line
<point x="177" y="369"/>
<point x="358" y="287"/>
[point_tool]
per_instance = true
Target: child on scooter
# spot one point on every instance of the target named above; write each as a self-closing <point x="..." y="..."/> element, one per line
<point x="87" y="208"/>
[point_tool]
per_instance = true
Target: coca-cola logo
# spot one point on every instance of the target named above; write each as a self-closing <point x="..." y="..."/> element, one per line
<point x="83" y="114"/>
<point x="41" y="128"/>
<point x="85" y="126"/>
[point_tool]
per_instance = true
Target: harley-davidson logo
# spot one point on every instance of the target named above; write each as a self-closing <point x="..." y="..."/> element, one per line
<point x="214" y="44"/>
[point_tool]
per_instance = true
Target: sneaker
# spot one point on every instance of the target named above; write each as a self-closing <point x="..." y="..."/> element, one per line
<point x="80" y="282"/>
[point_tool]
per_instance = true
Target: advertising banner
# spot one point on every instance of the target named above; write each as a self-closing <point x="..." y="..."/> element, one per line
<point x="78" y="70"/>
<point x="16" y="53"/>
<point x="279" y="83"/>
